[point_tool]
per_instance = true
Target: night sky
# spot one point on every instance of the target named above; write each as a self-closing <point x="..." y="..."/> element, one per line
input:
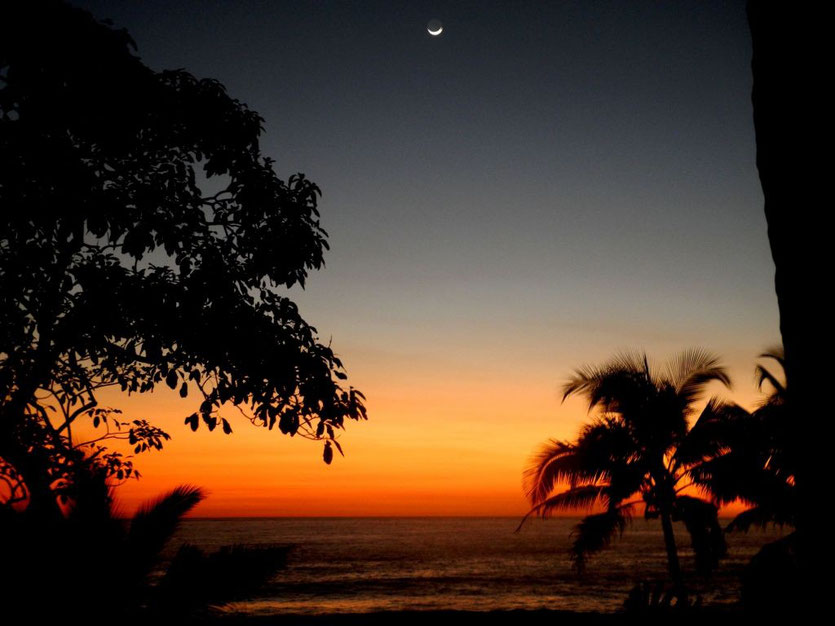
<point x="542" y="185"/>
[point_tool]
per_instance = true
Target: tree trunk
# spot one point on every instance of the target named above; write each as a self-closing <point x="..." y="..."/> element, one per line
<point x="791" y="69"/>
<point x="672" y="556"/>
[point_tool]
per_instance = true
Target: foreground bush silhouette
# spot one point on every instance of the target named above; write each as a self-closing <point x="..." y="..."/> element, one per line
<point x="93" y="565"/>
<point x="640" y="445"/>
<point x="88" y="562"/>
<point x="195" y="581"/>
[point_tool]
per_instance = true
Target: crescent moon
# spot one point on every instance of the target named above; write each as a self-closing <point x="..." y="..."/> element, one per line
<point x="435" y="27"/>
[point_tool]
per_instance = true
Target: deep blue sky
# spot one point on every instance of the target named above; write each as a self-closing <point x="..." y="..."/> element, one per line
<point x="545" y="183"/>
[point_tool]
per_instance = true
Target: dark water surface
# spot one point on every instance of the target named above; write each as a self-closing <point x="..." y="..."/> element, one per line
<point x="349" y="565"/>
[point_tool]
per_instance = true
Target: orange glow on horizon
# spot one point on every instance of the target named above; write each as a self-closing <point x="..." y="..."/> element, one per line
<point x="434" y="445"/>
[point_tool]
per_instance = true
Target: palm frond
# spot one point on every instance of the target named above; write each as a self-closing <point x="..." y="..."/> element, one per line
<point x="556" y="461"/>
<point x="764" y="376"/>
<point x="154" y="523"/>
<point x="585" y="496"/>
<point x="626" y="479"/>
<point x="693" y="370"/>
<point x="760" y="517"/>
<point x="775" y="353"/>
<point x="727" y="479"/>
<point x="723" y="477"/>
<point x="718" y="424"/>
<point x="701" y="518"/>
<point x="598" y="384"/>
<point x="602" y="448"/>
<point x="583" y="381"/>
<point x="604" y="440"/>
<point x="631" y="361"/>
<point x="617" y="390"/>
<point x="596" y="532"/>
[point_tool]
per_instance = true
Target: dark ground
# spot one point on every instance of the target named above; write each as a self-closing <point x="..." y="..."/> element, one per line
<point x="709" y="617"/>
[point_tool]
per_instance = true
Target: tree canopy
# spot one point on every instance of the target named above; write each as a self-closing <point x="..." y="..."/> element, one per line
<point x="145" y="240"/>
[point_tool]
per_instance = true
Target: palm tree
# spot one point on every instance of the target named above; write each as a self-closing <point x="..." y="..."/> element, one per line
<point x="639" y="447"/>
<point x="757" y="466"/>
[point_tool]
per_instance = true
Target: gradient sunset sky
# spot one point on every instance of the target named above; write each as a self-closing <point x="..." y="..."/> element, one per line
<point x="543" y="185"/>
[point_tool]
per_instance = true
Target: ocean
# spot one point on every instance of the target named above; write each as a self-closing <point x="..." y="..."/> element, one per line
<point x="351" y="565"/>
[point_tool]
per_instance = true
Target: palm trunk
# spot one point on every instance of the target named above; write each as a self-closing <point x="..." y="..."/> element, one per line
<point x="672" y="556"/>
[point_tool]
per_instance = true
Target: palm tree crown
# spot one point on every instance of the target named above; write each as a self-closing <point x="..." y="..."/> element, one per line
<point x="758" y="464"/>
<point x="639" y="447"/>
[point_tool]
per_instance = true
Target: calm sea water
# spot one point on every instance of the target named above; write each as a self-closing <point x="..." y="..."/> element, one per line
<point x="348" y="565"/>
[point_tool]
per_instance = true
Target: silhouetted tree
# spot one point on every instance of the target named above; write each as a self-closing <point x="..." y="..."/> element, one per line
<point x="754" y="465"/>
<point x="144" y="241"/>
<point x="791" y="58"/>
<point x="757" y="466"/>
<point x="639" y="448"/>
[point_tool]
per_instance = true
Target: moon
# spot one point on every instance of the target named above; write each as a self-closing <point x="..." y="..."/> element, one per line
<point x="434" y="27"/>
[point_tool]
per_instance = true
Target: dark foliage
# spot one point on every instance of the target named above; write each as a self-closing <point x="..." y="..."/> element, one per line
<point x="93" y="566"/>
<point x="772" y="583"/>
<point x="640" y="449"/>
<point x="194" y="580"/>
<point x="756" y="465"/>
<point x="89" y="563"/>
<point x="144" y="241"/>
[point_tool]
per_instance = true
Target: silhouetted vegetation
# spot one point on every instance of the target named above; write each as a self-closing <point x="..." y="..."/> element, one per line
<point x="144" y="241"/>
<point x="102" y="567"/>
<point x="641" y="442"/>
<point x="755" y="467"/>
<point x="758" y="468"/>
<point x="89" y="558"/>
<point x="640" y="448"/>
<point x="194" y="581"/>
